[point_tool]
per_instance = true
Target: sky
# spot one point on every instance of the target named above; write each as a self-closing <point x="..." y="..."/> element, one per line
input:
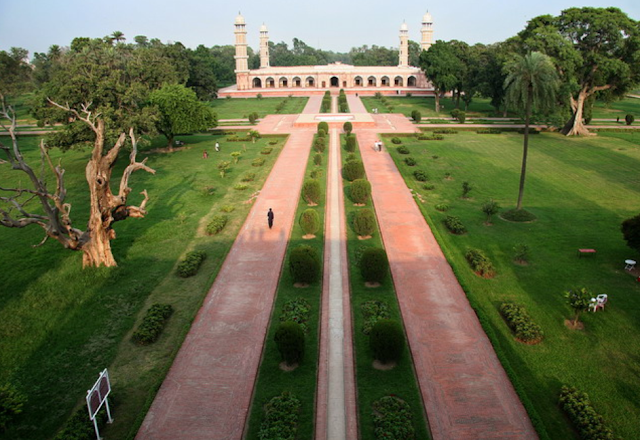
<point x="338" y="26"/>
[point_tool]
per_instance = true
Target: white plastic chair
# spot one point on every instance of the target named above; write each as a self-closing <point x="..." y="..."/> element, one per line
<point x="601" y="300"/>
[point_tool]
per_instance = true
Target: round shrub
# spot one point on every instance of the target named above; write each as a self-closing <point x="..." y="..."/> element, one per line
<point x="387" y="341"/>
<point x="347" y="127"/>
<point x="410" y="161"/>
<point x="266" y="150"/>
<point x="429" y="186"/>
<point x="311" y="191"/>
<point x="217" y="224"/>
<point x="316" y="174"/>
<point x="350" y="146"/>
<point x="416" y="116"/>
<point x="420" y="176"/>
<point x="310" y="221"/>
<point x="402" y="150"/>
<point x="191" y="263"/>
<point x="317" y="159"/>
<point x="304" y="264"/>
<point x="351" y="158"/>
<point x="360" y="191"/>
<point x="364" y="222"/>
<point x="629" y="119"/>
<point x="289" y="338"/>
<point x="323" y="126"/>
<point x="374" y="265"/>
<point x="454" y="225"/>
<point x="396" y="140"/>
<point x="258" y="162"/>
<point x="321" y="133"/>
<point x="353" y="170"/>
<point x="319" y="144"/>
<point x="442" y="207"/>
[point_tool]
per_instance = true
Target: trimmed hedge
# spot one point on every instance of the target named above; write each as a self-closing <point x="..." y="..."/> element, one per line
<point x="347" y="127"/>
<point x="353" y="170"/>
<point x="310" y="221"/>
<point x="520" y="323"/>
<point x="387" y="341"/>
<point x="280" y="418"/>
<point x="392" y="419"/>
<point x="442" y="207"/>
<point x="364" y="222"/>
<point x="289" y="338"/>
<point x="304" y="264"/>
<point x="258" y="162"/>
<point x="296" y="310"/>
<point x="152" y="324"/>
<point x="396" y="140"/>
<point x="319" y="144"/>
<point x="266" y="150"/>
<point x="480" y="263"/>
<point x="317" y="159"/>
<point x="311" y="191"/>
<point x="420" y="175"/>
<point x="374" y="265"/>
<point x="350" y="145"/>
<point x="217" y="224"/>
<point x="410" y="161"/>
<point x="403" y="150"/>
<point x="323" y="126"/>
<point x="191" y="263"/>
<point x="360" y="191"/>
<point x="372" y="312"/>
<point x="454" y="225"/>
<point x="589" y="424"/>
<point x="489" y="131"/>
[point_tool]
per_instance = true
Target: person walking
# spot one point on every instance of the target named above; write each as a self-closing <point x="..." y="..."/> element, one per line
<point x="270" y="218"/>
<point x="217" y="147"/>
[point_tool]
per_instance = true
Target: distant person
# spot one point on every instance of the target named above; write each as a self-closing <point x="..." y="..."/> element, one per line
<point x="217" y="147"/>
<point x="270" y="218"/>
<point x="205" y="155"/>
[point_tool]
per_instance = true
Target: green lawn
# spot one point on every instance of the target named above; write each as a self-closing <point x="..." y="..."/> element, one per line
<point x="617" y="109"/>
<point x="580" y="189"/>
<point x="239" y="108"/>
<point x="372" y="384"/>
<point x="478" y="108"/>
<point x="301" y="382"/>
<point x="60" y="325"/>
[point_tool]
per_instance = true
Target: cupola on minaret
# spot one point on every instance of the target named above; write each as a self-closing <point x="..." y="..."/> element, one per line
<point x="264" y="47"/>
<point x="427" y="32"/>
<point x="242" y="59"/>
<point x="404" y="46"/>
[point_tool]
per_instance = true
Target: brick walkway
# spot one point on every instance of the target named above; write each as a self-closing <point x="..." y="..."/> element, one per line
<point x="466" y="392"/>
<point x="208" y="390"/>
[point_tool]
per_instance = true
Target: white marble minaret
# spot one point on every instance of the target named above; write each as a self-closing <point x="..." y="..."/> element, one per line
<point x="427" y="32"/>
<point x="242" y="59"/>
<point x="264" y="47"/>
<point x="404" y="46"/>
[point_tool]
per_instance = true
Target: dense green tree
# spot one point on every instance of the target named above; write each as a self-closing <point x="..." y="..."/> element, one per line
<point x="441" y="66"/>
<point x="202" y="78"/>
<point x="15" y="73"/>
<point x="373" y="56"/>
<point x="490" y="76"/>
<point x="595" y="51"/>
<point x="180" y="112"/>
<point x="414" y="53"/>
<point x="531" y="84"/>
<point x="631" y="232"/>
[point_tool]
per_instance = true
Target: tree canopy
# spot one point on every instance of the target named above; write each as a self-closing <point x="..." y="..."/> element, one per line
<point x="442" y="67"/>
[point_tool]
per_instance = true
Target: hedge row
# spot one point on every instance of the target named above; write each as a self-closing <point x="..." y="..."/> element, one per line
<point x="296" y="310"/>
<point x="280" y="418"/>
<point x="521" y="323"/>
<point x="489" y="131"/>
<point x="480" y="263"/>
<point x="392" y="419"/>
<point x="191" y="263"/>
<point x="217" y="224"/>
<point x="589" y="424"/>
<point x="152" y="324"/>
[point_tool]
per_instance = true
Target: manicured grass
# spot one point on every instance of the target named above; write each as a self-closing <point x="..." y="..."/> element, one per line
<point x="372" y="384"/>
<point x="617" y="109"/>
<point x="239" y="108"/>
<point x="580" y="189"/>
<point x="479" y="107"/>
<point x="61" y="325"/>
<point x="301" y="382"/>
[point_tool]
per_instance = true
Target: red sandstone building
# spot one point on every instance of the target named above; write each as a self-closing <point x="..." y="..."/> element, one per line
<point x="306" y="80"/>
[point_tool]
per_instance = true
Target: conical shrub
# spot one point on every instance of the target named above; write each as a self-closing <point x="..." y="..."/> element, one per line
<point x="387" y="341"/>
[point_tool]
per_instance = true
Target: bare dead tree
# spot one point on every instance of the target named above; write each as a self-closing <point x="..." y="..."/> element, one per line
<point x="54" y="215"/>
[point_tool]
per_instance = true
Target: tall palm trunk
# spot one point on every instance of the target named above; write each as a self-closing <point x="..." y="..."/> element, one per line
<point x="525" y="148"/>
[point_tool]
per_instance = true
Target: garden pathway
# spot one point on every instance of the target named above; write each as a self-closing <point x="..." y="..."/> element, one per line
<point x="336" y="416"/>
<point x="207" y="392"/>
<point x="466" y="392"/>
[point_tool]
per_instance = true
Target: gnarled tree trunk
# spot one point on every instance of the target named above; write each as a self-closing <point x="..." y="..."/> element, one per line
<point x="575" y="126"/>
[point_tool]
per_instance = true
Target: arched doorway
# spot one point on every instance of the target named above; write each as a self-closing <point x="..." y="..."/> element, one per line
<point x="358" y="81"/>
<point x="270" y="83"/>
<point x="384" y="81"/>
<point x="335" y="82"/>
<point x="371" y="81"/>
<point x="310" y="82"/>
<point x="257" y="83"/>
<point x="411" y="81"/>
<point x="398" y="82"/>
<point x="283" y="82"/>
<point x="296" y="81"/>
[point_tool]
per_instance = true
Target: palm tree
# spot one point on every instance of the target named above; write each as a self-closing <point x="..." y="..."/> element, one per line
<point x="531" y="83"/>
<point x="117" y="36"/>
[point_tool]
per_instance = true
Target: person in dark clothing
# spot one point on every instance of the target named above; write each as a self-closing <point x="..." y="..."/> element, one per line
<point x="270" y="218"/>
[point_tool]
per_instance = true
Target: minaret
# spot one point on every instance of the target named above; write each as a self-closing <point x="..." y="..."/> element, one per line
<point x="264" y="47"/>
<point x="242" y="63"/>
<point x="427" y="32"/>
<point x="404" y="46"/>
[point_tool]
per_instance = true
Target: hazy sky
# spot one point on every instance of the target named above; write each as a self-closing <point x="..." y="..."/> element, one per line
<point x="340" y="25"/>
